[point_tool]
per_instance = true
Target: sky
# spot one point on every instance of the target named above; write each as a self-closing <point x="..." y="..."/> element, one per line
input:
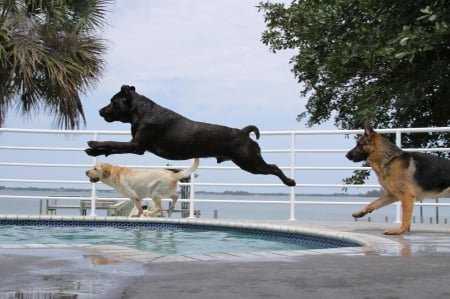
<point x="203" y="59"/>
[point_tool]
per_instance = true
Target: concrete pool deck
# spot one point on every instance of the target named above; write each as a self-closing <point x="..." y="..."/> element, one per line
<point x="414" y="265"/>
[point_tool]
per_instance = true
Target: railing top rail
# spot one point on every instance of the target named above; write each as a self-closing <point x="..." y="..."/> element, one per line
<point x="357" y="131"/>
<point x="79" y="132"/>
<point x="296" y="132"/>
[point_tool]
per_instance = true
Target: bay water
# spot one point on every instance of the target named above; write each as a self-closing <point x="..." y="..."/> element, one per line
<point x="228" y="210"/>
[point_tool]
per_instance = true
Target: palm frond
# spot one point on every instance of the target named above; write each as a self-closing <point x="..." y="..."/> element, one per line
<point x="50" y="54"/>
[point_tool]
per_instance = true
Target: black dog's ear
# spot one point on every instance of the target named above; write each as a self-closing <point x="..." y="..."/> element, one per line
<point x="125" y="89"/>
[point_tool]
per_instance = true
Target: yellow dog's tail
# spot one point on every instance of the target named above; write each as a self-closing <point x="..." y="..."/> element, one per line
<point x="187" y="172"/>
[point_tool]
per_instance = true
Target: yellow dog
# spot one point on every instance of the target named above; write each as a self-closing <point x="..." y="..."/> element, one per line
<point x="139" y="184"/>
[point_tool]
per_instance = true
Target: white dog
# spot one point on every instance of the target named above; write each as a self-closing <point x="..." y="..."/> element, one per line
<point x="139" y="184"/>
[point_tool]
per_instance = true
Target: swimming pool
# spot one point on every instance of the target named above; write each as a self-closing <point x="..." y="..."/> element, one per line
<point x="162" y="238"/>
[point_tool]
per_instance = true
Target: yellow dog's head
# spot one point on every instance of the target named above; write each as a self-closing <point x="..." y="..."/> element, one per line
<point x="98" y="172"/>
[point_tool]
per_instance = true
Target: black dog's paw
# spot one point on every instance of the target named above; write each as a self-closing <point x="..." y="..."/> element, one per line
<point x="290" y="182"/>
<point x="91" y="152"/>
<point x="94" y="149"/>
<point x="139" y="152"/>
<point x="92" y="143"/>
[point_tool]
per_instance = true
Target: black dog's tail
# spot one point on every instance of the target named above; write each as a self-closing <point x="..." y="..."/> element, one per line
<point x="249" y="129"/>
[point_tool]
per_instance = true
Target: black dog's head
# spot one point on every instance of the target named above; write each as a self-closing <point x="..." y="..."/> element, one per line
<point x="120" y="105"/>
<point x="364" y="145"/>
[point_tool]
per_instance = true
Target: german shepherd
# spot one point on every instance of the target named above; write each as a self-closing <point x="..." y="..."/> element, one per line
<point x="405" y="176"/>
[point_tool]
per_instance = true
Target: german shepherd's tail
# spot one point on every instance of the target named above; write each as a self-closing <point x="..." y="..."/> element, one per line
<point x="187" y="172"/>
<point x="248" y="129"/>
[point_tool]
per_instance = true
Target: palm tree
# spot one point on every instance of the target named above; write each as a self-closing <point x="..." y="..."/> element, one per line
<point x="50" y="53"/>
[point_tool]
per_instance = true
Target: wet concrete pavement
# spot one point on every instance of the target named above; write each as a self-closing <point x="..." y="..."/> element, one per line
<point x="415" y="265"/>
<point x="314" y="276"/>
<point x="64" y="273"/>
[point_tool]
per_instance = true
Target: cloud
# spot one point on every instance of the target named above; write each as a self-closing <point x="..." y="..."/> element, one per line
<point x="203" y="59"/>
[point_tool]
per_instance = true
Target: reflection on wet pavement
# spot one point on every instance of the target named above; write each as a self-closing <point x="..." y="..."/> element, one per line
<point x="413" y="244"/>
<point x="100" y="260"/>
<point x="38" y="295"/>
<point x="424" y="244"/>
<point x="63" y="273"/>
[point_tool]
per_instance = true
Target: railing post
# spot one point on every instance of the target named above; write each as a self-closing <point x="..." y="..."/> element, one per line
<point x="292" y="191"/>
<point x="191" y="196"/>
<point x="93" y="199"/>
<point x="93" y="185"/>
<point x="398" y="216"/>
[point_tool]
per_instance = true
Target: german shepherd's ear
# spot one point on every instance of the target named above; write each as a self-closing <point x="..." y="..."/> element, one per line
<point x="368" y="130"/>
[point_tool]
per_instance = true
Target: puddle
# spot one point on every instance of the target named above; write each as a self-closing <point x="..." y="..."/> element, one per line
<point x="63" y="274"/>
<point x="100" y="260"/>
<point x="410" y="244"/>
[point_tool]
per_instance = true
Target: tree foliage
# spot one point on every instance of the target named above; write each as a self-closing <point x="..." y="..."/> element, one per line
<point x="50" y="53"/>
<point x="386" y="60"/>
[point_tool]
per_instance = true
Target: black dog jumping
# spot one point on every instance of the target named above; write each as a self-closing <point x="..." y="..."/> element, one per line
<point x="172" y="136"/>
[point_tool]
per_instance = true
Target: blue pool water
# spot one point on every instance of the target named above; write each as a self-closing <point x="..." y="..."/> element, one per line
<point x="165" y="239"/>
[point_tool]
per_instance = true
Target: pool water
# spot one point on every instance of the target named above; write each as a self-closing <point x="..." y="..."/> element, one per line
<point x="180" y="241"/>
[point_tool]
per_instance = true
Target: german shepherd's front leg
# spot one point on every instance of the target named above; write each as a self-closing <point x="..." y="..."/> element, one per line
<point x="376" y="204"/>
<point x="407" y="209"/>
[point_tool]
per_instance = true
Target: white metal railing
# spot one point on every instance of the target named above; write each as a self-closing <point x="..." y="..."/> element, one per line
<point x="291" y="156"/>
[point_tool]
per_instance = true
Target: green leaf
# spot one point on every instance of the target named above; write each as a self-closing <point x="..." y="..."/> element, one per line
<point x="404" y="41"/>
<point x="401" y="55"/>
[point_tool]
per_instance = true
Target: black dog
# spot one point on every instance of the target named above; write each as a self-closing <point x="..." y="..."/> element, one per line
<point x="173" y="136"/>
